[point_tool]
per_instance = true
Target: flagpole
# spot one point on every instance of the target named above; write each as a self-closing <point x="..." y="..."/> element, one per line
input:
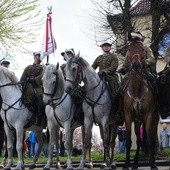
<point x="49" y="13"/>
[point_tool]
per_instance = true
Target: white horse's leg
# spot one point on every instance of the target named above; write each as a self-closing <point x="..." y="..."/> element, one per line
<point x="106" y="144"/>
<point x="69" y="145"/>
<point x="113" y="143"/>
<point x="9" y="135"/>
<point x="86" y="142"/>
<point x="53" y="129"/>
<point x="88" y="155"/>
<point x="58" y="165"/>
<point x="19" y="147"/>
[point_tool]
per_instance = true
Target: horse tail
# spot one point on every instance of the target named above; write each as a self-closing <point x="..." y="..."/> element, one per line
<point x="143" y="138"/>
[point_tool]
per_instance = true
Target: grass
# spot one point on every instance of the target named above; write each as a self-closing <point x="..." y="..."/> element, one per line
<point x="96" y="156"/>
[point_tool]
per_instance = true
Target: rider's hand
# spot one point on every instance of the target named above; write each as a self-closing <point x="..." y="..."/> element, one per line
<point x="31" y="79"/>
<point x="122" y="71"/>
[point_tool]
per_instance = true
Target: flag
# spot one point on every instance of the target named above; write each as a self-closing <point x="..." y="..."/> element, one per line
<point x="48" y="45"/>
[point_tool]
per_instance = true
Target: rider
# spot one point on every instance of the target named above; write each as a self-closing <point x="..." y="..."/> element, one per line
<point x="68" y="53"/>
<point x="5" y="63"/>
<point x="78" y="93"/>
<point x="33" y="89"/>
<point x="108" y="64"/>
<point x="150" y="62"/>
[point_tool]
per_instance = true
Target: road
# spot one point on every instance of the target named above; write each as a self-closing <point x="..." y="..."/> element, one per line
<point x="119" y="168"/>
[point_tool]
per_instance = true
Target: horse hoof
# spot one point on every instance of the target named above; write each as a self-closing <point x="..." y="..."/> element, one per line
<point x="113" y="166"/>
<point x="125" y="168"/>
<point x="7" y="168"/>
<point x="46" y="168"/>
<point x="103" y="166"/>
<point x="134" y="167"/>
<point x="1" y="166"/>
<point x="64" y="166"/>
<point x="32" y="166"/>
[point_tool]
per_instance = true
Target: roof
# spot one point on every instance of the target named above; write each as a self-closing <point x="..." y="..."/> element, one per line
<point x="141" y="8"/>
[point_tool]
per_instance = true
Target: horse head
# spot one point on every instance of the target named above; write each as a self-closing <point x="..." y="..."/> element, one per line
<point x="136" y="55"/>
<point x="53" y="83"/>
<point x="74" y="73"/>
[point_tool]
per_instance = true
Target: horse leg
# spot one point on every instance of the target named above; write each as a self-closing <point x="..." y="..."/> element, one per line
<point x="106" y="144"/>
<point x="138" y="142"/>
<point x="86" y="141"/>
<point x="128" y="143"/>
<point x="69" y="145"/>
<point x="9" y="135"/>
<point x="88" y="155"/>
<point x="151" y="132"/>
<point x="53" y="139"/>
<point x="113" y="143"/>
<point x="19" y="147"/>
<point x="57" y="143"/>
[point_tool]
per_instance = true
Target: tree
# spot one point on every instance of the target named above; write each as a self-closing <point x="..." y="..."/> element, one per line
<point x="18" y="22"/>
<point x="118" y="16"/>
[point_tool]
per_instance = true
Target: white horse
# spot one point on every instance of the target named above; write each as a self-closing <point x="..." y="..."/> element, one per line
<point x="15" y="116"/>
<point x="60" y="110"/>
<point x="96" y="105"/>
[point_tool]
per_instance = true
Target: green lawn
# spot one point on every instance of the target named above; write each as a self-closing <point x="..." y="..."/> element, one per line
<point x="96" y="156"/>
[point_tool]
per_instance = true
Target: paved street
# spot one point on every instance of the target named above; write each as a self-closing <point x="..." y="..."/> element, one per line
<point x="119" y="168"/>
<point x="143" y="168"/>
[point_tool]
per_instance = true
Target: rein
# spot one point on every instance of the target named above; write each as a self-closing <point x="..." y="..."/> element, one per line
<point x="55" y="87"/>
<point x="10" y="106"/>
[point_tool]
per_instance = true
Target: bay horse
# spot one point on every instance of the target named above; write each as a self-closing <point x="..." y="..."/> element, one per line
<point x="60" y="110"/>
<point x="15" y="116"/>
<point x="139" y="105"/>
<point x="96" y="104"/>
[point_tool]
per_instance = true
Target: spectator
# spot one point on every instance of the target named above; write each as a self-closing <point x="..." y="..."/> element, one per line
<point x="33" y="141"/>
<point x="122" y="139"/>
<point x="164" y="140"/>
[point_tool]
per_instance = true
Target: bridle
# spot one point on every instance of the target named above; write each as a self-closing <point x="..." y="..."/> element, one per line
<point x="79" y="76"/>
<point x="55" y="86"/>
<point x="137" y="58"/>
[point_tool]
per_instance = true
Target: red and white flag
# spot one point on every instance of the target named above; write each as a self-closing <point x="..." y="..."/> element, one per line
<point x="48" y="45"/>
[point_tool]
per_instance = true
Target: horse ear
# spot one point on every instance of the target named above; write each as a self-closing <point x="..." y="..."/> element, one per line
<point x="57" y="66"/>
<point x="78" y="54"/>
<point x="43" y="66"/>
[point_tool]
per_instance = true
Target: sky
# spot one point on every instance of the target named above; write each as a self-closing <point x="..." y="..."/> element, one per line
<point x="68" y="26"/>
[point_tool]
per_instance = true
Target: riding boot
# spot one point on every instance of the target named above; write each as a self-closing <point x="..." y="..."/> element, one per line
<point x="119" y="115"/>
<point x="41" y="113"/>
<point x="114" y="89"/>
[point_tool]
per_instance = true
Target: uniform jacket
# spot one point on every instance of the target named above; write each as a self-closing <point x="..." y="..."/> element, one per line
<point x="34" y="70"/>
<point x="150" y="60"/>
<point x="107" y="63"/>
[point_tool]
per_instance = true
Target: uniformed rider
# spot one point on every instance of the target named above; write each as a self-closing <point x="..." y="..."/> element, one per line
<point x="108" y="64"/>
<point x="68" y="53"/>
<point x="32" y="87"/>
<point x="149" y="61"/>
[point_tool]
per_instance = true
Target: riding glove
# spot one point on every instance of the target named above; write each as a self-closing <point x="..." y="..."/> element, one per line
<point x="122" y="71"/>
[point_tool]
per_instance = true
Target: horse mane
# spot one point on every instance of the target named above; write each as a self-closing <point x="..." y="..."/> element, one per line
<point x="8" y="74"/>
<point x="79" y="60"/>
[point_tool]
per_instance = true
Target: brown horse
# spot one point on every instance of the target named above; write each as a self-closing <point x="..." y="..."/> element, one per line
<point x="139" y="106"/>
